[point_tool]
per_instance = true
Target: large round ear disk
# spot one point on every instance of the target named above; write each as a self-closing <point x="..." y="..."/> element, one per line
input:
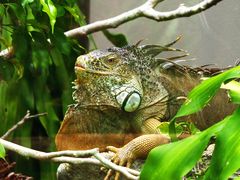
<point x="131" y="101"/>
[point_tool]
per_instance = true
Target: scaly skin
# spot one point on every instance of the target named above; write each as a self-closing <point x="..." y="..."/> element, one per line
<point x="124" y="93"/>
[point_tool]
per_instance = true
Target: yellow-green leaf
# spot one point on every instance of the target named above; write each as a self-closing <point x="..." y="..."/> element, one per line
<point x="2" y="151"/>
<point x="51" y="10"/>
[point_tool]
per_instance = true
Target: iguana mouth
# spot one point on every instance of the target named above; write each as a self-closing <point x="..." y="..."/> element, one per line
<point x="79" y="67"/>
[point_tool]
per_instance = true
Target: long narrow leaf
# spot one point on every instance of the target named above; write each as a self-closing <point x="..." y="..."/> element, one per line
<point x="174" y="160"/>
<point x="202" y="94"/>
<point x="226" y="156"/>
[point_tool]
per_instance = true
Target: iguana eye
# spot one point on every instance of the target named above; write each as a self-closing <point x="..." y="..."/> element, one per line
<point x="111" y="61"/>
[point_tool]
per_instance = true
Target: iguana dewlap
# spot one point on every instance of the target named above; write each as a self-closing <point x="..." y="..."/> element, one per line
<point x="122" y="93"/>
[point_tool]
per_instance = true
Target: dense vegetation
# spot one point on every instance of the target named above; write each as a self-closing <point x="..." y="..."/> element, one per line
<point x="38" y="77"/>
<point x="174" y="160"/>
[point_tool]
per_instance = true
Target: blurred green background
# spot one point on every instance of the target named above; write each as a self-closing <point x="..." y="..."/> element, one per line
<point x="38" y="77"/>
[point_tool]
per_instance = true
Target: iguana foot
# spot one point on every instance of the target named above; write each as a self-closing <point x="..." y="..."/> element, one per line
<point x="122" y="158"/>
<point x="137" y="148"/>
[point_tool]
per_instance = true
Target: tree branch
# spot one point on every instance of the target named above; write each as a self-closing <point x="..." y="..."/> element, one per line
<point x="146" y="10"/>
<point x="72" y="157"/>
<point x="21" y="122"/>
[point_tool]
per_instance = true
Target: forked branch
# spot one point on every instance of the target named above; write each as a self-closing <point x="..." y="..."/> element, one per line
<point x="145" y="10"/>
<point x="73" y="157"/>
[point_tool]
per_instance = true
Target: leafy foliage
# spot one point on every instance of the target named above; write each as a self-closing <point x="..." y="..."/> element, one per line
<point x="118" y="40"/>
<point x="38" y="78"/>
<point x="203" y="93"/>
<point x="2" y="151"/>
<point x="173" y="161"/>
<point x="226" y="157"/>
<point x="51" y="10"/>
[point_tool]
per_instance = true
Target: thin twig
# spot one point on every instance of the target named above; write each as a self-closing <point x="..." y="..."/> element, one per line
<point x="73" y="157"/>
<point x="146" y="10"/>
<point x="21" y="122"/>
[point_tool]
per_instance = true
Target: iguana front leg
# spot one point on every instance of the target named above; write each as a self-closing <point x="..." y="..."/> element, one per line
<point x="138" y="147"/>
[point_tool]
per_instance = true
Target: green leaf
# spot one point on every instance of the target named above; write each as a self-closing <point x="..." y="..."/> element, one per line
<point x="18" y="10"/>
<point x="61" y="42"/>
<point x="164" y="127"/>
<point x="234" y="91"/>
<point x="2" y="151"/>
<point x="6" y="32"/>
<point x="226" y="156"/>
<point x="174" y="160"/>
<point x="79" y="18"/>
<point x="2" y="10"/>
<point x="118" y="40"/>
<point x="20" y="43"/>
<point x="202" y="94"/>
<point x="25" y="2"/>
<point x="6" y="70"/>
<point x="76" y="13"/>
<point x="51" y="10"/>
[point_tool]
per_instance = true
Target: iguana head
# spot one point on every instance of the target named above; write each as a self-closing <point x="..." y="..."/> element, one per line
<point x="107" y="79"/>
<point x="125" y="78"/>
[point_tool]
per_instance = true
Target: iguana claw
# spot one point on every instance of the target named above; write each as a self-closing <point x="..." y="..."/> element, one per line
<point x="122" y="157"/>
<point x="137" y="148"/>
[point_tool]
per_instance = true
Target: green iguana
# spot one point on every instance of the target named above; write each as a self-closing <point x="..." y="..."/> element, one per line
<point x="123" y="94"/>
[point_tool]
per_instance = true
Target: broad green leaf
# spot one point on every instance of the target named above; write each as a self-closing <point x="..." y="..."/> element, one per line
<point x="118" y="40"/>
<point x="226" y="156"/>
<point x="51" y="10"/>
<point x="234" y="91"/>
<point x="2" y="151"/>
<point x="174" y="160"/>
<point x="202" y="94"/>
